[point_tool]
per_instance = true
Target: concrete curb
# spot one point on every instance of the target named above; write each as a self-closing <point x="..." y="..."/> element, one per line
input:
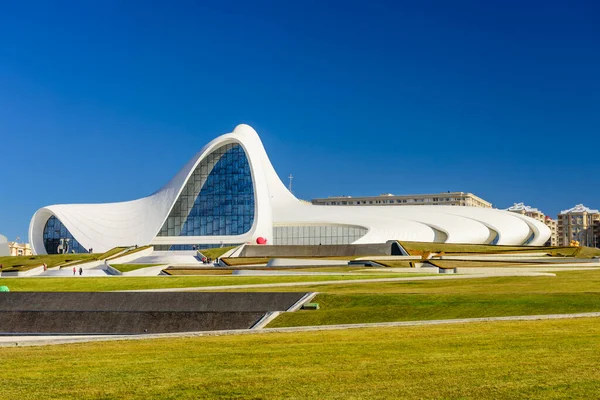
<point x="264" y="321"/>
<point x="305" y="299"/>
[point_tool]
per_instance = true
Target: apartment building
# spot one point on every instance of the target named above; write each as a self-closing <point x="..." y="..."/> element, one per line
<point x="521" y="208"/>
<point x="578" y="223"/>
<point x="388" y="199"/>
<point x="19" y="249"/>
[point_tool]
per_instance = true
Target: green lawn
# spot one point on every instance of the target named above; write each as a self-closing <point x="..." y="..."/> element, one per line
<point x="235" y="261"/>
<point x="99" y="284"/>
<point x="564" y="282"/>
<point x="362" y="308"/>
<point x="553" y="359"/>
<point x="111" y="253"/>
<point x="27" y="262"/>
<point x="132" y="267"/>
<point x="132" y="251"/>
<point x="216" y="252"/>
<point x="420" y="248"/>
<point x="504" y="264"/>
<point x="229" y="271"/>
<point x="23" y="263"/>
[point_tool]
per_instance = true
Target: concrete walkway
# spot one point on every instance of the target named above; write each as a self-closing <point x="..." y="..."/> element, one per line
<point x="341" y="282"/>
<point x="168" y="257"/>
<point x="12" y="341"/>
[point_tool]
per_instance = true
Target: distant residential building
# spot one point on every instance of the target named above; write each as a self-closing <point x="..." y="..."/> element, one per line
<point x="388" y="199"/>
<point x="577" y="223"/>
<point x="596" y="233"/>
<point x="553" y="225"/>
<point x="521" y="208"/>
<point x="19" y="249"/>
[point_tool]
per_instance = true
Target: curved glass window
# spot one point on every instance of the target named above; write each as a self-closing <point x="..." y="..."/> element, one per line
<point x="58" y="239"/>
<point x="218" y="199"/>
<point x="317" y="234"/>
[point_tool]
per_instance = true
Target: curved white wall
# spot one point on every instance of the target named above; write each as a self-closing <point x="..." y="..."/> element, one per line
<point x="104" y="226"/>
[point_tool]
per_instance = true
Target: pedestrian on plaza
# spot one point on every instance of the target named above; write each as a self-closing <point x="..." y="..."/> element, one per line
<point x="74" y="270"/>
<point x="80" y="270"/>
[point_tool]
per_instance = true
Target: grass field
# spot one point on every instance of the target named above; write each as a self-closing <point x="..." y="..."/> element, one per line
<point x="98" y="284"/>
<point x="564" y="282"/>
<point x="421" y="248"/>
<point x="365" y="308"/>
<point x="573" y="291"/>
<point x="132" y="267"/>
<point x="502" y="360"/>
<point x="229" y="271"/>
<point x="504" y="264"/>
<point x="216" y="252"/>
<point x="235" y="261"/>
<point x="24" y="263"/>
<point x="132" y="251"/>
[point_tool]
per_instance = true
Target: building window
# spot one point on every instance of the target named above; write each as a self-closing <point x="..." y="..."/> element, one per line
<point x="317" y="234"/>
<point x="58" y="239"/>
<point x="217" y="200"/>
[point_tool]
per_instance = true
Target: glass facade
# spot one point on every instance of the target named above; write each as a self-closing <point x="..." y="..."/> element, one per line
<point x="317" y="234"/>
<point x="171" y="247"/>
<point x="58" y="239"/>
<point x="218" y="199"/>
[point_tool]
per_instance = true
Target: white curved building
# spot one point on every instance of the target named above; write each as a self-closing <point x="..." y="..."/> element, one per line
<point x="229" y="193"/>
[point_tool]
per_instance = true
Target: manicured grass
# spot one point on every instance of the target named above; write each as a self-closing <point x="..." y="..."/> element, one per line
<point x="216" y="252"/>
<point x="229" y="271"/>
<point x="563" y="282"/>
<point x="553" y="359"/>
<point x="132" y="251"/>
<point x="361" y="308"/>
<point x="502" y="264"/>
<point x="198" y="272"/>
<point x="99" y="284"/>
<point x="588" y="252"/>
<point x="24" y="263"/>
<point x="394" y="263"/>
<point x="235" y="261"/>
<point x="421" y="248"/>
<point x="111" y="253"/>
<point x="132" y="267"/>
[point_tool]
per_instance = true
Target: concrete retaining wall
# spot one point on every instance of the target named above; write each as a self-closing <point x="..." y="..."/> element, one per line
<point x="29" y="272"/>
<point x="115" y="322"/>
<point x="145" y="312"/>
<point x="146" y="301"/>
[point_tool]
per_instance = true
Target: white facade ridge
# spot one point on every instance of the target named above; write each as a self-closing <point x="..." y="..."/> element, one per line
<point x="523" y="207"/>
<point x="229" y="193"/>
<point x="580" y="208"/>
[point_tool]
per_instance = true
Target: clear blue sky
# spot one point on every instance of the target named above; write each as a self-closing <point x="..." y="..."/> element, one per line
<point x="105" y="100"/>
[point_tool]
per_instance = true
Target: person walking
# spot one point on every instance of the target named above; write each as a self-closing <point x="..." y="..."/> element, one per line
<point x="74" y="271"/>
<point x="80" y="271"/>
